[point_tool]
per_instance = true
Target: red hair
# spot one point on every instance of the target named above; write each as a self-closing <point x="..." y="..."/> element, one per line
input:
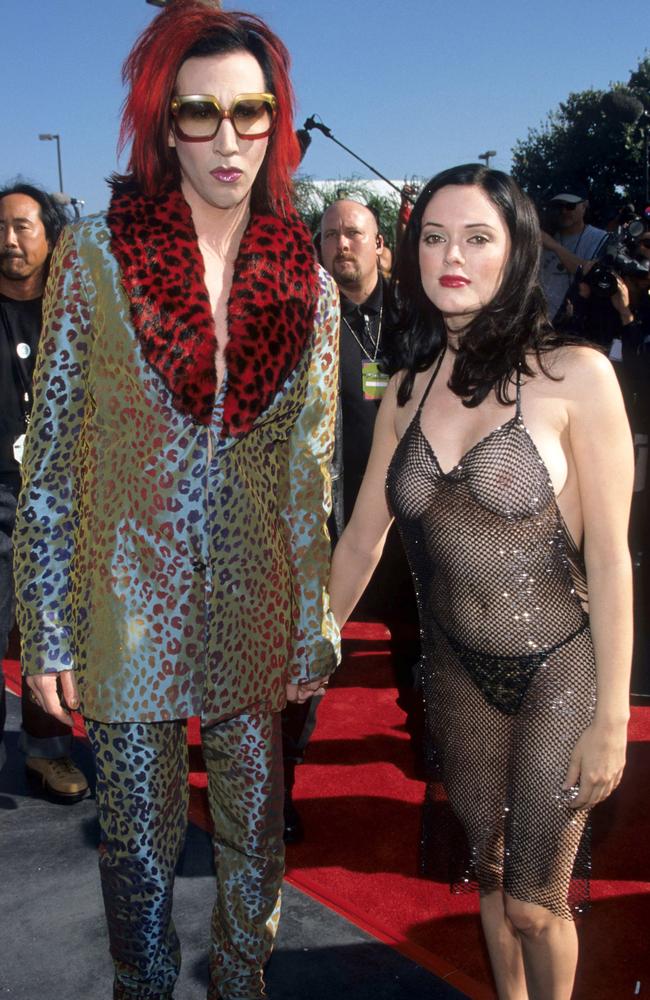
<point x="188" y="28"/>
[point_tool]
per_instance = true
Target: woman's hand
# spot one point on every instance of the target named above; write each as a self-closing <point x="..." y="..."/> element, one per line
<point x="306" y="689"/>
<point x="597" y="764"/>
<point x="45" y="693"/>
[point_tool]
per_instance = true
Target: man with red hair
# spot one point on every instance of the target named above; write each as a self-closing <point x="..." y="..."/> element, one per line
<point x="171" y="543"/>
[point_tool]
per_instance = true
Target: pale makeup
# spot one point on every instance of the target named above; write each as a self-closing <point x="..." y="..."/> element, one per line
<point x="221" y="171"/>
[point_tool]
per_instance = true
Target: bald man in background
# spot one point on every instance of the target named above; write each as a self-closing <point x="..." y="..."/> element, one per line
<point x="351" y="247"/>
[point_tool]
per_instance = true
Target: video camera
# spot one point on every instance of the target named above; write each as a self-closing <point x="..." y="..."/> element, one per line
<point x="617" y="259"/>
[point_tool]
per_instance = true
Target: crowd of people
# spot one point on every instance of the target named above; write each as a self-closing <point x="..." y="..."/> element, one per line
<point x="217" y="404"/>
<point x="597" y="283"/>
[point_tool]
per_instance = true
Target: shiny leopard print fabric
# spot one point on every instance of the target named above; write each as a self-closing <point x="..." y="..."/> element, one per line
<point x="143" y="825"/>
<point x="179" y="570"/>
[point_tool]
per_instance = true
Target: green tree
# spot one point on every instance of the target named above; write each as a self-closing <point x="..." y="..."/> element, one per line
<point x="311" y="200"/>
<point x="588" y="142"/>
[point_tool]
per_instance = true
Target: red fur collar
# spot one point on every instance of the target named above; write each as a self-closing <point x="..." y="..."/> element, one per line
<point x="270" y="310"/>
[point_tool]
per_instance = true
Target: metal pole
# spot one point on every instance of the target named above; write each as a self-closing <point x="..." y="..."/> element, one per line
<point x="311" y="123"/>
<point x="487" y="156"/>
<point x="374" y="170"/>
<point x="58" y="158"/>
<point x="48" y="136"/>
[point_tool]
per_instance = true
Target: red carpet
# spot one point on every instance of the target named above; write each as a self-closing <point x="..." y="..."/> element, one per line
<point x="361" y="805"/>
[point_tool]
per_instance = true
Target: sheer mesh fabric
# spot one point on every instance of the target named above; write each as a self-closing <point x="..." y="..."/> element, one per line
<point x="508" y="665"/>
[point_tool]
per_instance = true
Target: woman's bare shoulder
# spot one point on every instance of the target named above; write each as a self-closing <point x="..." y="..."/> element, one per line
<point x="575" y="372"/>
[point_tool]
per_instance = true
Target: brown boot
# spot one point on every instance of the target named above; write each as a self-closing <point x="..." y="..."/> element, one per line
<point x="59" y="778"/>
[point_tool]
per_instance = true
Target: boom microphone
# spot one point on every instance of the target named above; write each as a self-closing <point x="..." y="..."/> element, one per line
<point x="311" y="123"/>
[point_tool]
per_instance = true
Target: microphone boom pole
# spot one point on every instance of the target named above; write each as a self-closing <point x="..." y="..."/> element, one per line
<point x="312" y="123"/>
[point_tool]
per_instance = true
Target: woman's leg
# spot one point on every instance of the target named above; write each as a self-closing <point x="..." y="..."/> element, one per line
<point x="533" y="952"/>
<point x="504" y="947"/>
<point x="473" y="740"/>
<point x="142" y="798"/>
<point x="549" y="944"/>
<point x="543" y="832"/>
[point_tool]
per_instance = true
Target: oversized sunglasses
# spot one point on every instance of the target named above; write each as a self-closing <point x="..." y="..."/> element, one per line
<point x="566" y="206"/>
<point x="197" y="117"/>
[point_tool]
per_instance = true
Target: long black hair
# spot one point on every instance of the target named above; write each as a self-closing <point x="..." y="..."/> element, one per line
<point x="500" y="338"/>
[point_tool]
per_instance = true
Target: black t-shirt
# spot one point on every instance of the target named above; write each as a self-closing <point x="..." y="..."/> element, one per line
<point x="20" y="328"/>
<point x="360" y="327"/>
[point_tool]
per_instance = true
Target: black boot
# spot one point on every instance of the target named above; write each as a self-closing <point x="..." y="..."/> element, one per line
<point x="294" y="832"/>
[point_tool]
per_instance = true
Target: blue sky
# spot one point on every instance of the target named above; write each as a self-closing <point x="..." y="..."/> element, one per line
<point x="413" y="87"/>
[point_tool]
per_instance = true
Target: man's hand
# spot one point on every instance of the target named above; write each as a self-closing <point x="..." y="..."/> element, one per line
<point x="44" y="692"/>
<point x="584" y="290"/>
<point x="621" y="301"/>
<point x="306" y="689"/>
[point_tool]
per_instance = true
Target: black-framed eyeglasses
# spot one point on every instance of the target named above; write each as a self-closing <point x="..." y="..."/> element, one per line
<point x="566" y="206"/>
<point x="198" y="117"/>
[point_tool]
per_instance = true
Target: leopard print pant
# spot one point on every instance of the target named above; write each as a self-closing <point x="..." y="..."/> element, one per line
<point x="142" y="798"/>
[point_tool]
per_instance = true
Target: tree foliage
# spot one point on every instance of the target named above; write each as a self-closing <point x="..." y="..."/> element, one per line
<point x="312" y="199"/>
<point x="586" y="143"/>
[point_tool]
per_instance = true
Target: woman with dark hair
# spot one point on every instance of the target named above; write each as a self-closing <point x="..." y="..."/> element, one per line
<point x="505" y="457"/>
<point x="172" y="550"/>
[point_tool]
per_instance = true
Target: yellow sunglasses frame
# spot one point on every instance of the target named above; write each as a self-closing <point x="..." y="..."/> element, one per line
<point x="180" y="100"/>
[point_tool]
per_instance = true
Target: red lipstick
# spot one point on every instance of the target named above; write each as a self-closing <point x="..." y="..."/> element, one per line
<point x="454" y="281"/>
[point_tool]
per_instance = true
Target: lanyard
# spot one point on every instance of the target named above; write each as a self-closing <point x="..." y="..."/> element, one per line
<point x="375" y="342"/>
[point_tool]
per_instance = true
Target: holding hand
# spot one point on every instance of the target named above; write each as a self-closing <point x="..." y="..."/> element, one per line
<point x="44" y="692"/>
<point x="307" y="689"/>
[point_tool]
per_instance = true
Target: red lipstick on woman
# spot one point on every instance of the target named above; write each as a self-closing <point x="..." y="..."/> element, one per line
<point x="454" y="281"/>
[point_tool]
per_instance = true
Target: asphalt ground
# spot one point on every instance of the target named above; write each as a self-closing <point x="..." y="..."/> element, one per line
<point x="54" y="942"/>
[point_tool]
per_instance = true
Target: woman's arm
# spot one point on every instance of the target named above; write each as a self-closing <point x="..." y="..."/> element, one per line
<point x="362" y="542"/>
<point x="602" y="450"/>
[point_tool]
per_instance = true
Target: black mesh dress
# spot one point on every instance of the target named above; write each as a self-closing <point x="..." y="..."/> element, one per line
<point x="508" y="664"/>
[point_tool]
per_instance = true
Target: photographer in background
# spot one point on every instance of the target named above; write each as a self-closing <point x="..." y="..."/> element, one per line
<point x="607" y="302"/>
<point x="573" y="244"/>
